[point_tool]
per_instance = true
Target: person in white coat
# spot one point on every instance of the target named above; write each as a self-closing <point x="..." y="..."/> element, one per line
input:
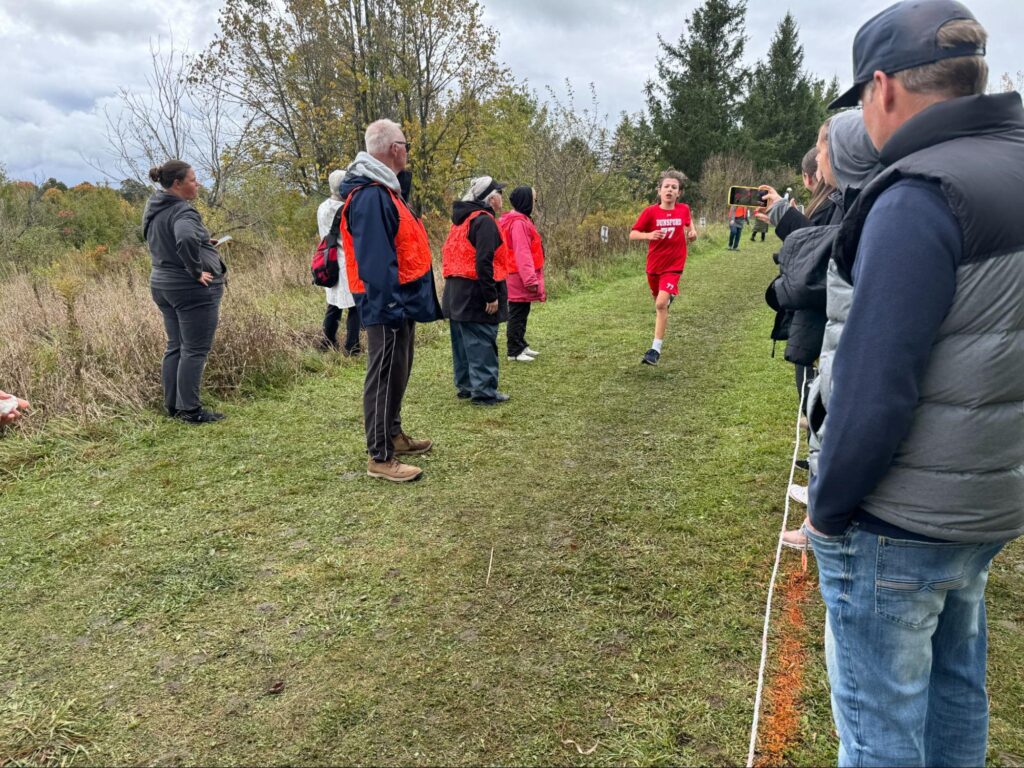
<point x="339" y="297"/>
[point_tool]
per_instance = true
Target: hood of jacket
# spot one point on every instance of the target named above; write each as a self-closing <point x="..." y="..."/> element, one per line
<point x="159" y="202"/>
<point x="851" y="154"/>
<point x="366" y="169"/>
<point x="461" y="209"/>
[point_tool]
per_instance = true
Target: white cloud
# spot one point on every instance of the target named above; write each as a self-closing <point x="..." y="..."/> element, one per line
<point x="85" y="20"/>
<point x="64" y="60"/>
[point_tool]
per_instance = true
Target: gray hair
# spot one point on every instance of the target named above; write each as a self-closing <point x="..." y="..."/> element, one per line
<point x="959" y="76"/>
<point x="381" y="134"/>
<point x="334" y="182"/>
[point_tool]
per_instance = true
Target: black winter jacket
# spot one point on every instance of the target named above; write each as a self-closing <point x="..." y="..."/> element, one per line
<point x="798" y="294"/>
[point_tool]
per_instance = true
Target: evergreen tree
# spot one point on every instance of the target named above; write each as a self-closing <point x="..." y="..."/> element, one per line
<point x="694" y="102"/>
<point x="635" y="156"/>
<point x="786" y="105"/>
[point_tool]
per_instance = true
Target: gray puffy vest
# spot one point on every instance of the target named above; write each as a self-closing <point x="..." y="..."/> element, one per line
<point x="959" y="472"/>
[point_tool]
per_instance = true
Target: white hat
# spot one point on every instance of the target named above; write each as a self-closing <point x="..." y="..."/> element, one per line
<point x="481" y="188"/>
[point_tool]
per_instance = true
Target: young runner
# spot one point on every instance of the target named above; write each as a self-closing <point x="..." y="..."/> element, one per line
<point x="667" y="227"/>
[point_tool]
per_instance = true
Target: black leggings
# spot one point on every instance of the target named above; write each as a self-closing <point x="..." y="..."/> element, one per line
<point x="518" y="312"/>
<point x="331" y="322"/>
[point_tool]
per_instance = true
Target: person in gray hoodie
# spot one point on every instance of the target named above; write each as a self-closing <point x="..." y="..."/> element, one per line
<point x="187" y="284"/>
<point x="849" y="161"/>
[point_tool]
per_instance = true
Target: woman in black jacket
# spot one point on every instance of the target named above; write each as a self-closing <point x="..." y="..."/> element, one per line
<point x="802" y="324"/>
<point x="187" y="284"/>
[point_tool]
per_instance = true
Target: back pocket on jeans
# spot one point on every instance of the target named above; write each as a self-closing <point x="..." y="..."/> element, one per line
<point x="912" y="578"/>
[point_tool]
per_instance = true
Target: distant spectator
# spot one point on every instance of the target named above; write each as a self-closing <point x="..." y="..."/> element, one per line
<point x="339" y="297"/>
<point x="476" y="262"/>
<point x="760" y="227"/>
<point x="526" y="280"/>
<point x="737" y="218"/>
<point x="187" y="283"/>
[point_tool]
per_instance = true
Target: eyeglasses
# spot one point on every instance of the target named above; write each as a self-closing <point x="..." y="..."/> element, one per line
<point x="405" y="144"/>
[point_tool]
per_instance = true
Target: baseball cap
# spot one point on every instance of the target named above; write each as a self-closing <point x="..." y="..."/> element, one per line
<point x="481" y="187"/>
<point x="901" y="37"/>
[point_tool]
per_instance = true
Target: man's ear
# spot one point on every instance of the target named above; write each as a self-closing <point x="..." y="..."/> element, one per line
<point x="884" y="89"/>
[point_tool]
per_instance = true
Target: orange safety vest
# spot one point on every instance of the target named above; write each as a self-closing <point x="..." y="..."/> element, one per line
<point x="741" y="211"/>
<point x="458" y="255"/>
<point x="411" y="244"/>
<point x="536" y="246"/>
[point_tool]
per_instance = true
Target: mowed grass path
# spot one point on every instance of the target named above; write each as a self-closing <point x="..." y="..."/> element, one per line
<point x="243" y="594"/>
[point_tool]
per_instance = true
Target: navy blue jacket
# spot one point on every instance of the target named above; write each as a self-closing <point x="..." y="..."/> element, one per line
<point x="373" y="221"/>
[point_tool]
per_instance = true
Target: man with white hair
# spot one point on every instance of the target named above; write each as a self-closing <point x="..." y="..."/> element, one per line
<point x="475" y="263"/>
<point x="339" y="297"/>
<point x="388" y="263"/>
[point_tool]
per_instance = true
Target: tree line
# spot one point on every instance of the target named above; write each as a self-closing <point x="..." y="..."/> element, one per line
<point x="292" y="86"/>
<point x="283" y="94"/>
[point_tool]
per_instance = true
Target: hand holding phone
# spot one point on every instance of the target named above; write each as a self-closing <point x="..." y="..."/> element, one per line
<point x="749" y="197"/>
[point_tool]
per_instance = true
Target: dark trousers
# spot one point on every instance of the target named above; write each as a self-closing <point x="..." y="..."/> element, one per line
<point x="332" y="319"/>
<point x="755" y="234"/>
<point x="190" y="320"/>
<point x="735" y="230"/>
<point x="389" y="354"/>
<point x="475" y="359"/>
<point x="518" y="312"/>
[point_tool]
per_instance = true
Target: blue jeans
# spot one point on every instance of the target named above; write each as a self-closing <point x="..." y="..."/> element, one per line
<point x="905" y="647"/>
<point x="475" y="359"/>
<point x="735" y="232"/>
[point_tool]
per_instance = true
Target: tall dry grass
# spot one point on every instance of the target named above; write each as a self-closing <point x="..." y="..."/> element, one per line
<point x="83" y="339"/>
<point x="87" y="347"/>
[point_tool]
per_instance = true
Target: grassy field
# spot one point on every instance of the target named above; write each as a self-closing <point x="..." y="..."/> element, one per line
<point x="243" y="594"/>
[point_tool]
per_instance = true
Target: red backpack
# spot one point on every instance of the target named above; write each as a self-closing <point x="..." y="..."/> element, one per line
<point x="324" y="266"/>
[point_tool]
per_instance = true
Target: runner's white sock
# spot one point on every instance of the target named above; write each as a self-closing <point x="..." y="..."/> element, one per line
<point x="656" y="345"/>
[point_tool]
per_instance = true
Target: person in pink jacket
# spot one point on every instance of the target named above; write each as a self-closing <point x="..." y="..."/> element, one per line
<point x="526" y="281"/>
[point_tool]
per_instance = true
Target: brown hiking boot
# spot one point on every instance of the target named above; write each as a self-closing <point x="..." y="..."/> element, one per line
<point x="393" y="470"/>
<point x="409" y="446"/>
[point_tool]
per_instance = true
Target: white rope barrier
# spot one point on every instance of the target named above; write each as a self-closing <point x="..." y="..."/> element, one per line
<point x="771" y="584"/>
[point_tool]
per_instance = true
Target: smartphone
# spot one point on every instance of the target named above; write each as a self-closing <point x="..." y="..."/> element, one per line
<point x="751" y="197"/>
<point x="218" y="242"/>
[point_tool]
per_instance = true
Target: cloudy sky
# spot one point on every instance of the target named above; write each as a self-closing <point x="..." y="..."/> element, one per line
<point x="63" y="61"/>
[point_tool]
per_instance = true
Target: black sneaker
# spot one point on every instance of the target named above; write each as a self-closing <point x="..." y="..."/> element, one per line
<point x="202" y="416"/>
<point x="499" y="398"/>
<point x="463" y="395"/>
<point x="650" y="357"/>
<point x="802" y="464"/>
